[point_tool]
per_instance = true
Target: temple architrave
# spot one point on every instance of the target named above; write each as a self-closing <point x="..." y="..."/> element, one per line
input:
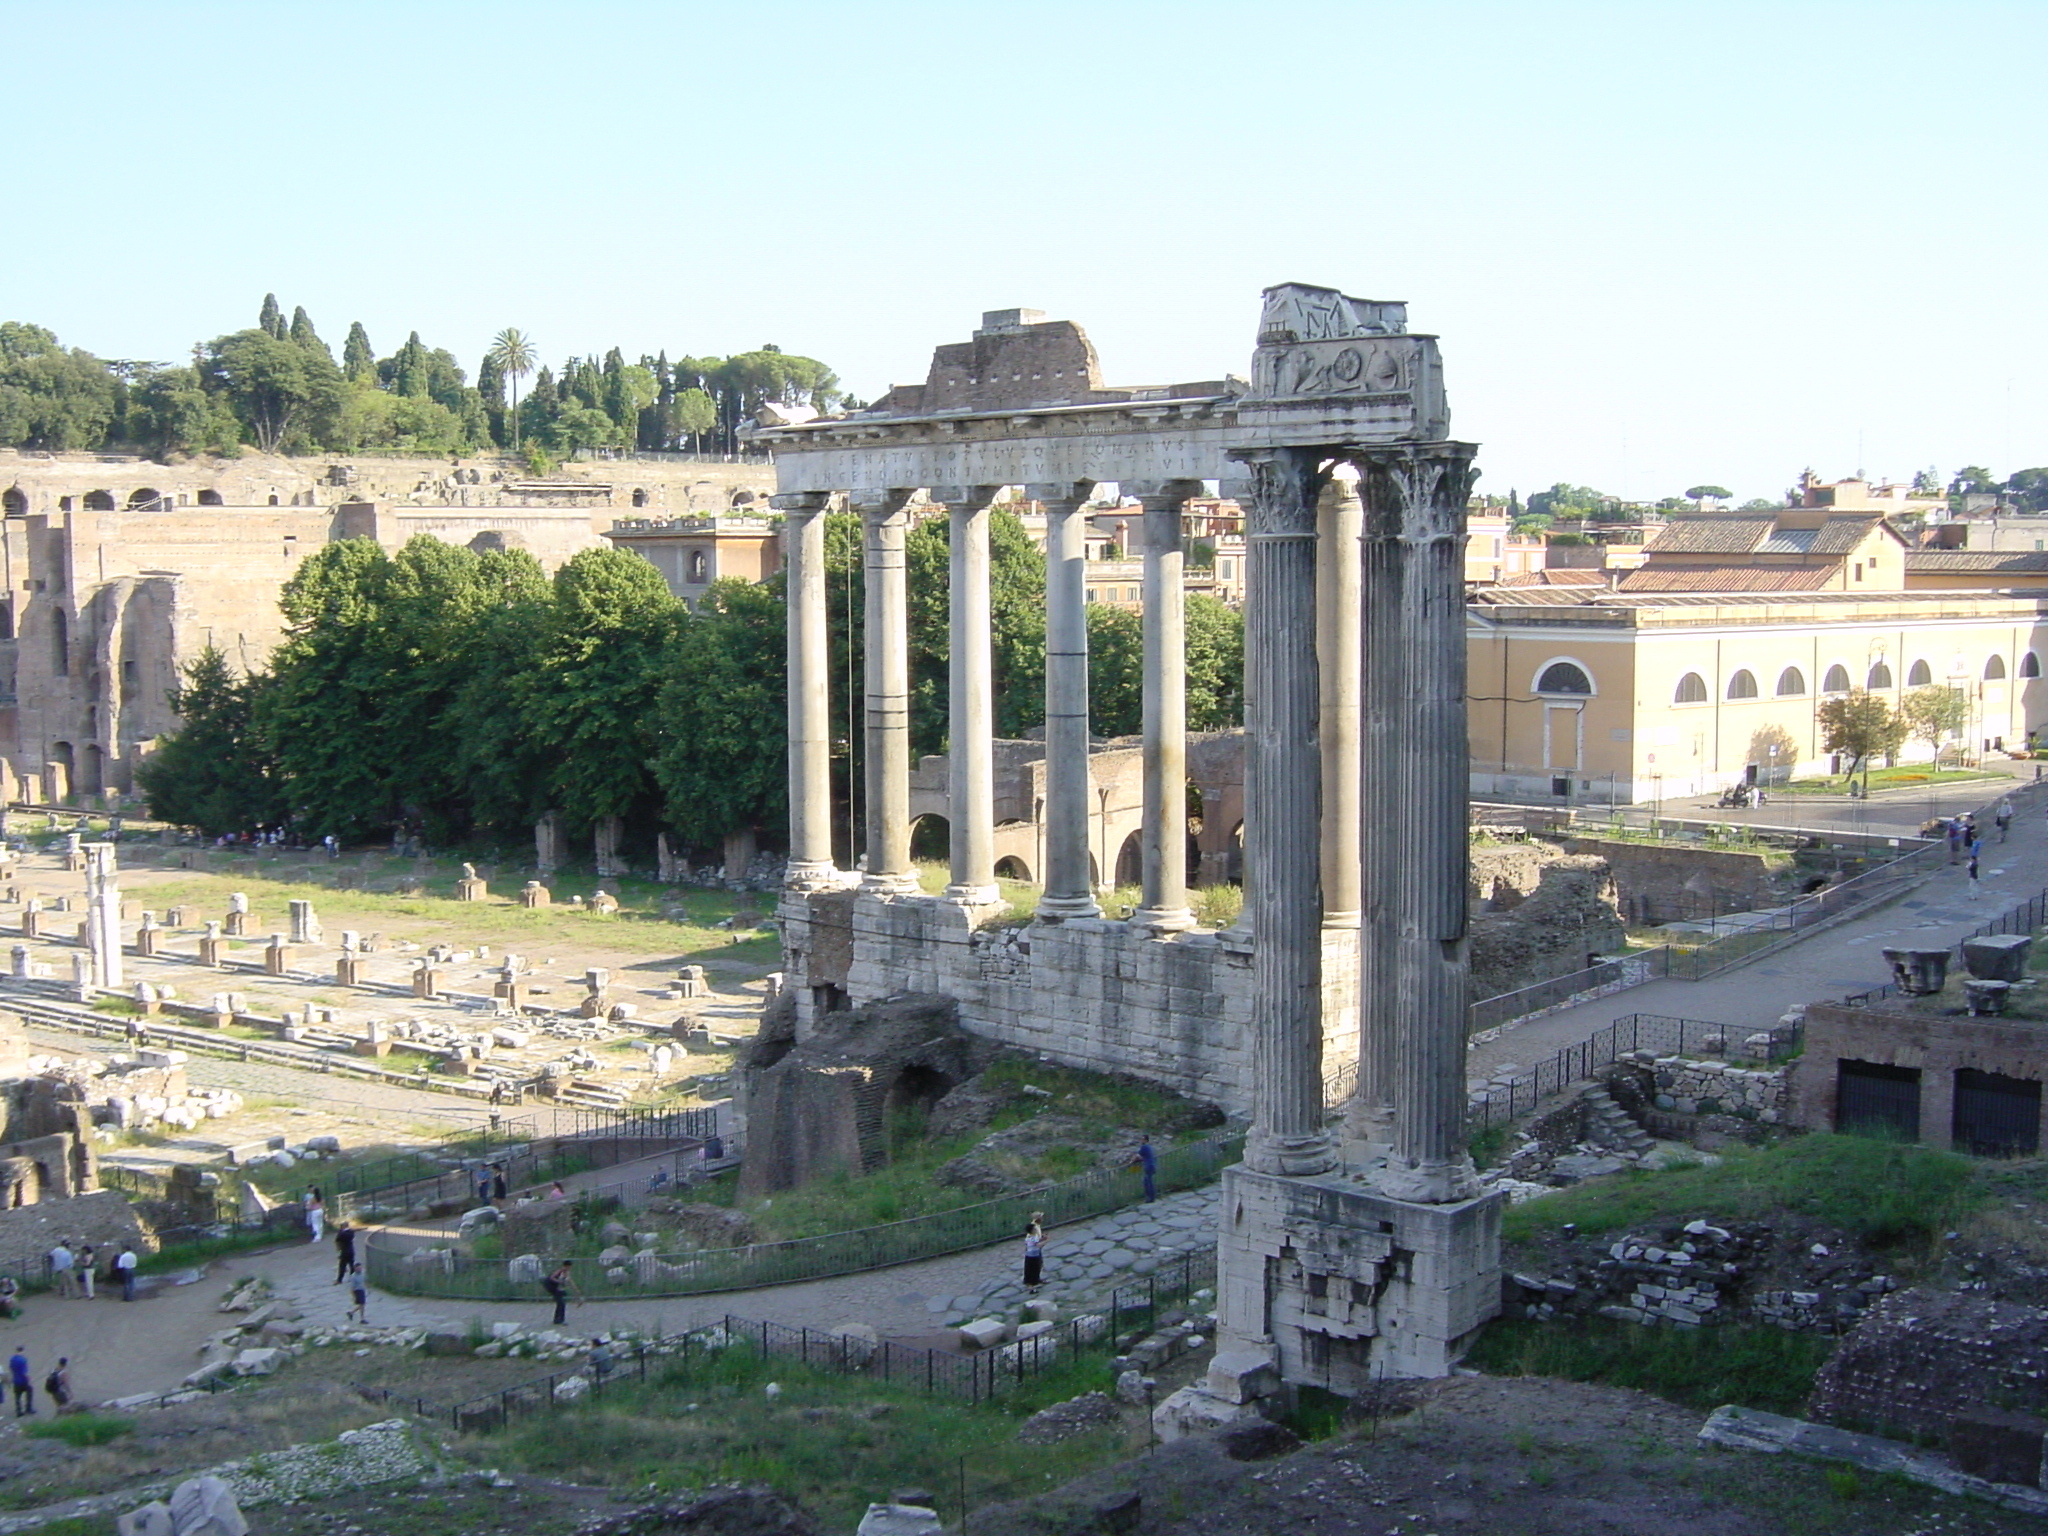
<point x="1344" y="1256"/>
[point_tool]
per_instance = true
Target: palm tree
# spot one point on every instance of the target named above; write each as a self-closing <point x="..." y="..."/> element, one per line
<point x="514" y="355"/>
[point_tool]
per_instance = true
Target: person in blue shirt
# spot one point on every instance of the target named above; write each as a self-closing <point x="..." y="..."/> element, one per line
<point x="1148" y="1163"/>
<point x="24" y="1384"/>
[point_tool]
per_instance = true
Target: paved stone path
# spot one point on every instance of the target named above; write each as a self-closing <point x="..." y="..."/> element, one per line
<point x="1826" y="964"/>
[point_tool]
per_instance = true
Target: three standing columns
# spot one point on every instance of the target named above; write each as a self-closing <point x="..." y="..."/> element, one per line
<point x="810" y="725"/>
<point x="884" y="525"/>
<point x="1283" y="773"/>
<point x="1069" y="882"/>
<point x="1163" y="906"/>
<point x="970" y="682"/>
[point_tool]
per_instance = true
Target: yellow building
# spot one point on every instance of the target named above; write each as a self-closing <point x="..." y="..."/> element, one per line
<point x="1635" y="696"/>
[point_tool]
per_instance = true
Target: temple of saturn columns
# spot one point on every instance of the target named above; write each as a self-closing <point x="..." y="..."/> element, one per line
<point x="1346" y="1253"/>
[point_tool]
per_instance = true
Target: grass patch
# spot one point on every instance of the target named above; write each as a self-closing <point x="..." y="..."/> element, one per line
<point x="1702" y="1368"/>
<point x="1903" y="777"/>
<point x="184" y="1255"/>
<point x="833" y="1443"/>
<point x="81" y="1430"/>
<point x="1883" y="1193"/>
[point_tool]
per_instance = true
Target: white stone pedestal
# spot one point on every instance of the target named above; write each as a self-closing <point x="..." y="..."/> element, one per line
<point x="1340" y="1285"/>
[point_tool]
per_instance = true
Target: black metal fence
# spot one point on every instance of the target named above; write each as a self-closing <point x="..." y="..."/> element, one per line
<point x="397" y="1265"/>
<point x="1661" y="1033"/>
<point x="980" y="1377"/>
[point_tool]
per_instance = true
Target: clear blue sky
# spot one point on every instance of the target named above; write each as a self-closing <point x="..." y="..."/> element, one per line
<point x="1663" y="243"/>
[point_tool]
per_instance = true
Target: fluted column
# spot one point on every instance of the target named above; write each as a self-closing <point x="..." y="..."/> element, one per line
<point x="1283" y="816"/>
<point x="1069" y="888"/>
<point x="1338" y="516"/>
<point x="1415" y="532"/>
<point x="810" y="726"/>
<point x="887" y="618"/>
<point x="1383" y="695"/>
<point x="1163" y="907"/>
<point x="970" y="730"/>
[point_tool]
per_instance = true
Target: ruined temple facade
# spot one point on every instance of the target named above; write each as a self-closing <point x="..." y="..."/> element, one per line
<point x="121" y="571"/>
<point x="1347" y="1253"/>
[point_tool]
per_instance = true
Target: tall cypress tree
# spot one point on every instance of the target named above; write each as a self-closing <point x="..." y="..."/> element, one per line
<point x="270" y="319"/>
<point x="358" y="358"/>
<point x="303" y="334"/>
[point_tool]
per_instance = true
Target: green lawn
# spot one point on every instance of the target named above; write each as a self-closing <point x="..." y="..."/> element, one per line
<point x="1906" y="776"/>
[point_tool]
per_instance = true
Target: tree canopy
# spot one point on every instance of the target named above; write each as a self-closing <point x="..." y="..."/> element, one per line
<point x="1860" y="724"/>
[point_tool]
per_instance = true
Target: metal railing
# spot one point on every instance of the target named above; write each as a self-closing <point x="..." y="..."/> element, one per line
<point x="1662" y="1033"/>
<point x="1630" y="970"/>
<point x="419" y="1269"/>
<point x="981" y="1377"/>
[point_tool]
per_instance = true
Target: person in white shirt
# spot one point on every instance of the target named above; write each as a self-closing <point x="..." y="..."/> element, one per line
<point x="124" y="1266"/>
<point x="61" y="1266"/>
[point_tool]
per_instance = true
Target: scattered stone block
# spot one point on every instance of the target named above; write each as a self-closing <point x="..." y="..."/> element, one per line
<point x="1998" y="956"/>
<point x="153" y="1519"/>
<point x="984" y="1332"/>
<point x="258" y="1362"/>
<point x="205" y="1506"/>
<point x="1192" y="1411"/>
<point x="899" y="1520"/>
<point x="1242" y="1376"/>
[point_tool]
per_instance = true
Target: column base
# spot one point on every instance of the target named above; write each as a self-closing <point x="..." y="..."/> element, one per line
<point x="1291" y="1157"/>
<point x="974" y="895"/>
<point x="1162" y="920"/>
<point x="890" y="885"/>
<point x="1352" y="919"/>
<point x="1340" y="1285"/>
<point x="1442" y="1183"/>
<point x="1059" y="909"/>
<point x="811" y="875"/>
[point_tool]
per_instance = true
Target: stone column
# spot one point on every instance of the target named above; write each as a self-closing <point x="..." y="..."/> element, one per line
<point x="1283" y="767"/>
<point x="810" y="725"/>
<point x="1163" y="907"/>
<point x="887" y="631"/>
<point x="102" y="914"/>
<point x="1069" y="889"/>
<point x="1338" y="517"/>
<point x="1415" y="537"/>
<point x="970" y="713"/>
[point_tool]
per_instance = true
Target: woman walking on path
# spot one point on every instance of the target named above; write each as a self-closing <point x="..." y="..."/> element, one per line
<point x="1034" y="1252"/>
<point x="558" y="1284"/>
<point x="344" y="1250"/>
<point x="359" y="1288"/>
<point x="316" y="1213"/>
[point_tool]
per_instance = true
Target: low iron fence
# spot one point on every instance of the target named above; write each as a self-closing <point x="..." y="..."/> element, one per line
<point x="408" y="1267"/>
<point x="983" y="1376"/>
<point x="1661" y="1033"/>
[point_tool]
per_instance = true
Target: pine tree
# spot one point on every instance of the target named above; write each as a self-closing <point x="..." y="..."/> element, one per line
<point x="270" y="319"/>
<point x="304" y="335"/>
<point x="358" y="358"/>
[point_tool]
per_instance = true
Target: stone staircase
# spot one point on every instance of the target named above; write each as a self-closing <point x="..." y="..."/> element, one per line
<point x="1611" y="1126"/>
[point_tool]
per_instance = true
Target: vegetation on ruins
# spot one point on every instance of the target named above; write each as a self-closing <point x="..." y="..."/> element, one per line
<point x="276" y="387"/>
<point x="465" y="694"/>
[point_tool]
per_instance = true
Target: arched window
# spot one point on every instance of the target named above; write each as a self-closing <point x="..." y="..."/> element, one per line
<point x="144" y="498"/>
<point x="1792" y="683"/>
<point x="1564" y="677"/>
<point x="209" y="498"/>
<point x="1880" y="677"/>
<point x="2030" y="665"/>
<point x="639" y="498"/>
<point x="1994" y="669"/>
<point x="14" y="501"/>
<point x="99" y="501"/>
<point x="1837" y="680"/>
<point x="1692" y="689"/>
<point x="1742" y="685"/>
<point x="1919" y="675"/>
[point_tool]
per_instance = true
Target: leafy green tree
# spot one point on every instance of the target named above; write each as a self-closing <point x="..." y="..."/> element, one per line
<point x="1935" y="714"/>
<point x="1215" y="664"/>
<point x="598" y="681"/>
<point x="695" y="415"/>
<point x="1972" y="480"/>
<point x="303" y="334"/>
<point x="721" y="738"/>
<point x="358" y="357"/>
<point x="281" y="393"/>
<point x="1861" y="724"/>
<point x="50" y="397"/>
<point x="584" y="426"/>
<point x="504" y="765"/>
<point x="1569" y="501"/>
<point x="1116" y="671"/>
<point x="169" y="411"/>
<point x="1761" y="504"/>
<point x="1927" y="482"/>
<point x="2030" y="488"/>
<point x="214" y="772"/>
<point x="512" y="353"/>
<point x="1700" y="495"/>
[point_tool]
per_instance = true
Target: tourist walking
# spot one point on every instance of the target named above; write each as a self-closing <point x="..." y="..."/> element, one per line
<point x="87" y="1258"/>
<point x="483" y="1186"/>
<point x="61" y="1263"/>
<point x="359" y="1290"/>
<point x="558" y="1283"/>
<point x="2003" y="818"/>
<point x="316" y="1213"/>
<point x="500" y="1190"/>
<point x="1148" y="1164"/>
<point x="1955" y="840"/>
<point x="1973" y="875"/>
<point x="344" y="1250"/>
<point x="124" y="1271"/>
<point x="1034" y="1252"/>
<point x="24" y="1385"/>
<point x="58" y="1383"/>
<point x="10" y="1296"/>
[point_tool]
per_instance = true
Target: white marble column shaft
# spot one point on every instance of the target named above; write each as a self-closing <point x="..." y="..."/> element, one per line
<point x="1415" y="529"/>
<point x="1069" y="886"/>
<point x="970" y="730"/>
<point x="887" y="616"/>
<point x="810" y="725"/>
<point x="1338" y="517"/>
<point x="1283" y="816"/>
<point x="1163" y="906"/>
